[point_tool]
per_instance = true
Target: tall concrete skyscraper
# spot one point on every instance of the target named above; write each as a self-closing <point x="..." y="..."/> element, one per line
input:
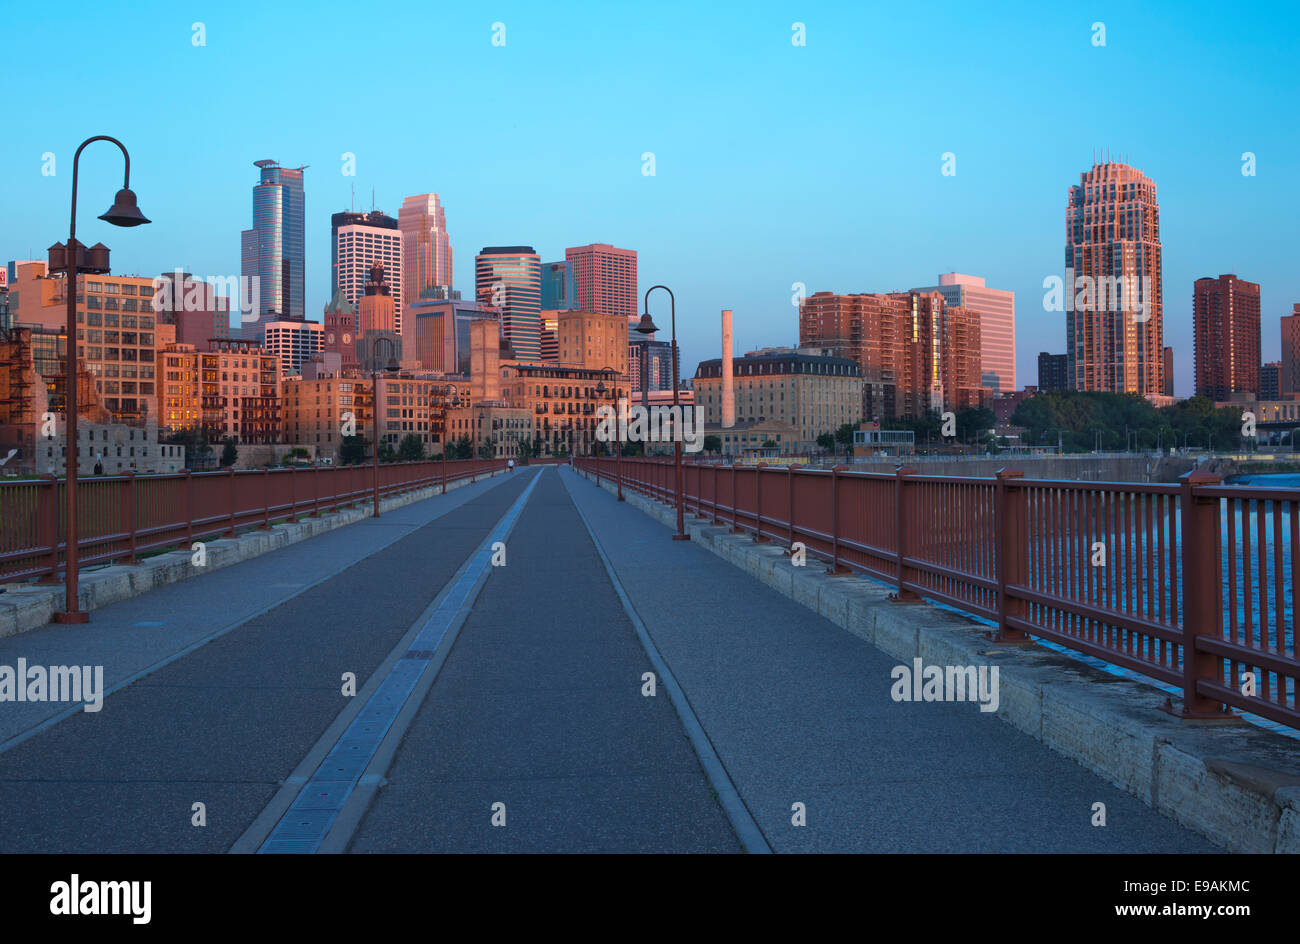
<point x="360" y="241"/>
<point x="605" y="279"/>
<point x="1114" y="313"/>
<point x="510" y="278"/>
<point x="997" y="314"/>
<point x="426" y="247"/>
<point x="1225" y="332"/>
<point x="273" y="250"/>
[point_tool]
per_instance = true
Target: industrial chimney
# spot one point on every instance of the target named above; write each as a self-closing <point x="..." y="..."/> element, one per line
<point x="728" y="382"/>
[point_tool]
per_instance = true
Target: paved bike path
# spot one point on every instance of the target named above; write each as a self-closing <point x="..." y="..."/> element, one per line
<point x="799" y="711"/>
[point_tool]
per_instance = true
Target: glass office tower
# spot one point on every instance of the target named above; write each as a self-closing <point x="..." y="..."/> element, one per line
<point x="273" y="250"/>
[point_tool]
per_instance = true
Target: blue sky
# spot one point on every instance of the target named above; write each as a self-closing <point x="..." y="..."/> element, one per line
<point x="775" y="164"/>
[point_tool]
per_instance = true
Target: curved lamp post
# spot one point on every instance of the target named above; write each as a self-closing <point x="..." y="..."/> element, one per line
<point x="618" y="429"/>
<point x="391" y="367"/>
<point x="450" y="400"/>
<point x="647" y="326"/>
<point x="73" y="259"/>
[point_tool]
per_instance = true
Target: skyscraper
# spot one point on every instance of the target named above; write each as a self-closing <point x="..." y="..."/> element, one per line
<point x="1290" y="377"/>
<point x="1053" y="371"/>
<point x="917" y="353"/>
<point x="1114" y="316"/>
<point x="426" y="247"/>
<point x="510" y="278"/>
<point x="359" y="241"/>
<point x="997" y="314"/>
<point x="273" y="250"/>
<point x="558" y="293"/>
<point x="605" y="279"/>
<point x="1225" y="333"/>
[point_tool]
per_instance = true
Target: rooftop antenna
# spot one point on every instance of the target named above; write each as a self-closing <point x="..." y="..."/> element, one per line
<point x="372" y="199"/>
<point x="354" y="198"/>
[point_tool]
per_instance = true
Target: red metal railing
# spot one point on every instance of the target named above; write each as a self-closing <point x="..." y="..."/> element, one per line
<point x="1190" y="584"/>
<point x="126" y="515"/>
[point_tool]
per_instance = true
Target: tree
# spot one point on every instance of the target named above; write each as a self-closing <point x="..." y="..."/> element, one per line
<point x="524" y="447"/>
<point x="229" y="452"/>
<point x="462" y="448"/>
<point x="352" y="451"/>
<point x="826" y="441"/>
<point x="712" y="444"/>
<point x="197" y="451"/>
<point x="486" y="450"/>
<point x="410" y="449"/>
<point x="844" y="436"/>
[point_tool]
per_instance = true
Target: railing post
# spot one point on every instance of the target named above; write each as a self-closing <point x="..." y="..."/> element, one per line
<point x="717" y="519"/>
<point x="266" y="498"/>
<point x="230" y="532"/>
<point x="735" y="502"/>
<point x="1011" y="540"/>
<point x="128" y="513"/>
<point x="836" y="569"/>
<point x="189" y="508"/>
<point x="789" y="503"/>
<point x="903" y="521"/>
<point x="1202" y="593"/>
<point x="49" y="526"/>
<point x="758" y="504"/>
<point x="293" y="495"/>
<point x="315" y="491"/>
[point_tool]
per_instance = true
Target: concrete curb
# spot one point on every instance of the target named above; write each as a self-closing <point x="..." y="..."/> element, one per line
<point x="25" y="606"/>
<point x="1233" y="782"/>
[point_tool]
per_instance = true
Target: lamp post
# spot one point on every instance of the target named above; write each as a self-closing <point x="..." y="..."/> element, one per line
<point x="69" y="259"/>
<point x="391" y="367"/>
<point x="647" y="326"/>
<point x="618" y="430"/>
<point x="449" y="400"/>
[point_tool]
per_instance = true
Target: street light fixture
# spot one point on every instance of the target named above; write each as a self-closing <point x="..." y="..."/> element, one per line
<point x="618" y="431"/>
<point x="73" y="259"/>
<point x="391" y="368"/>
<point x="647" y="326"/>
<point x="450" y="400"/>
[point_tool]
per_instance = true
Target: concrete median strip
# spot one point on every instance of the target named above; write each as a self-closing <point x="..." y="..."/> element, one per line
<point x="1235" y="783"/>
<point x="26" y="606"/>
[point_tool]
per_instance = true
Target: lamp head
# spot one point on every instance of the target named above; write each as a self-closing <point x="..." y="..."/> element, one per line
<point x="124" y="212"/>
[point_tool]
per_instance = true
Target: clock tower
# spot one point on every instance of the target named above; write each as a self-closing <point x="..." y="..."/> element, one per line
<point x="341" y="330"/>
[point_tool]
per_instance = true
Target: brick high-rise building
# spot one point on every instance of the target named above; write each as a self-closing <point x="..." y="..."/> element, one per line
<point x="1169" y="372"/>
<point x="1290" y="377"/>
<point x="121" y="332"/>
<point x="232" y="389"/>
<point x="605" y="279"/>
<point x="917" y="353"/>
<point x="1114" y="316"/>
<point x="509" y="278"/>
<point x="997" y="315"/>
<point x="1225" y="327"/>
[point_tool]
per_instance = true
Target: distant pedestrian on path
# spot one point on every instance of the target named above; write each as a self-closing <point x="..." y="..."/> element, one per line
<point x="99" y="466"/>
<point x="510" y="464"/>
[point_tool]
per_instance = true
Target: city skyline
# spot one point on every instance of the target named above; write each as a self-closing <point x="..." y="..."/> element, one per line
<point x="876" y="215"/>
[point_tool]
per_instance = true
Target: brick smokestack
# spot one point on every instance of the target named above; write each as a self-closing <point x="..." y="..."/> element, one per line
<point x="728" y="382"/>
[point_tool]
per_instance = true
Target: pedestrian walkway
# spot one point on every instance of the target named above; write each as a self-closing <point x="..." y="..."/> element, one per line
<point x="799" y="711"/>
<point x="224" y="724"/>
<point x="531" y="728"/>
